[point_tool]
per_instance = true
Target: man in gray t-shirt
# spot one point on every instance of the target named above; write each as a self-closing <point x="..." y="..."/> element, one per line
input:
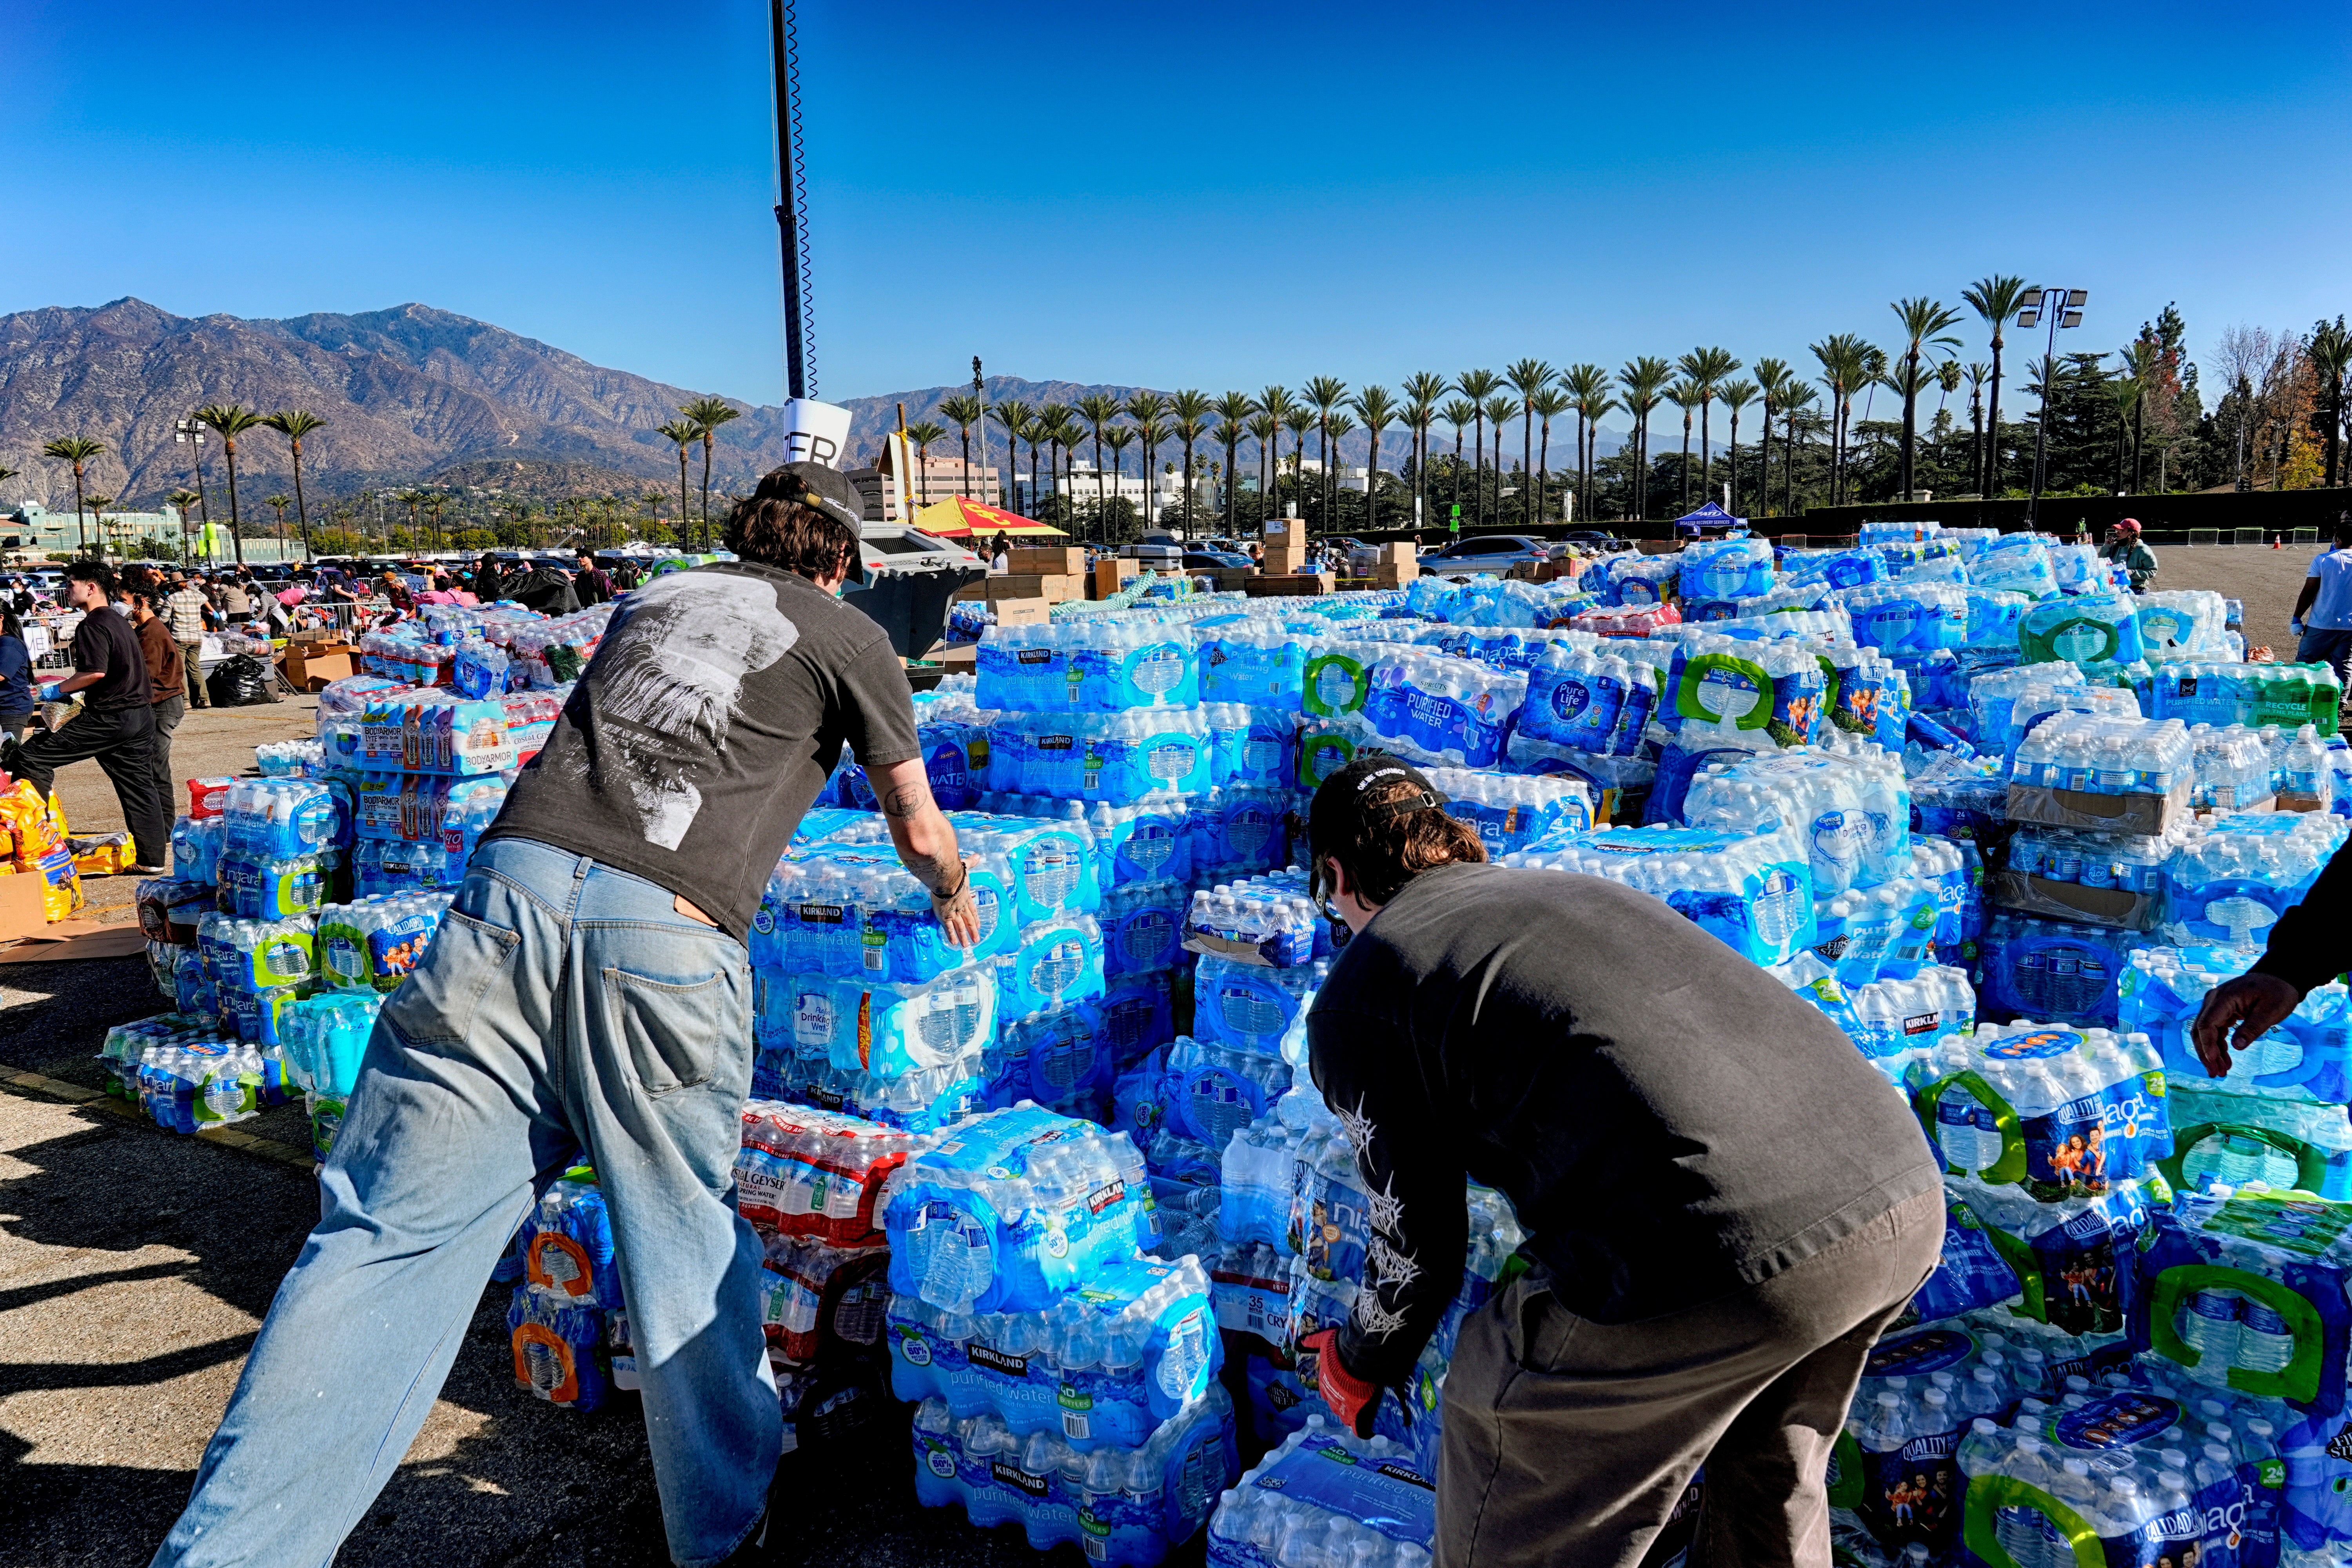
<point x="588" y="996"/>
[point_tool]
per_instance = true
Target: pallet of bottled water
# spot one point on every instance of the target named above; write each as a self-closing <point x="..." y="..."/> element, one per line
<point x="375" y="942"/>
<point x="2062" y="970"/>
<point x="1104" y="1364"/>
<point x="2064" y="1113"/>
<point x="1265" y="920"/>
<point x="2245" y="1290"/>
<point x="1123" y="1507"/>
<point x="560" y="1317"/>
<point x="2124" y="872"/>
<point x="1511" y="811"/>
<point x="1116" y="758"/>
<point x="1907" y="1012"/>
<point x="922" y="1099"/>
<point x="2236" y="1140"/>
<point x="1255" y="1007"/>
<point x="805" y="1172"/>
<point x="1062" y="1057"/>
<point x="1012" y="1209"/>
<point x="1753" y="891"/>
<point x="2231" y="879"/>
<point x="1591" y="700"/>
<point x="1887" y="929"/>
<point x="1099" y="666"/>
<point x="186" y="1077"/>
<point x="2306" y="1058"/>
<point x="1452" y="712"/>
<point x="2146" y="765"/>
<point x="325" y="1038"/>
<point x="1325" y="1495"/>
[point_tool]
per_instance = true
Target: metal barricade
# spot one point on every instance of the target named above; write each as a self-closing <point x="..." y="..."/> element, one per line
<point x="2250" y="536"/>
<point x="2304" y="536"/>
<point x="2204" y="536"/>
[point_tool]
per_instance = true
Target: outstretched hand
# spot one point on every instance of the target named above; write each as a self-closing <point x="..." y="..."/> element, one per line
<point x="2238" y="1013"/>
<point x="958" y="912"/>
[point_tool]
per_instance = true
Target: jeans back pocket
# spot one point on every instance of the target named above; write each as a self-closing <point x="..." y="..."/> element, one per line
<point x="439" y="999"/>
<point x="675" y="1032"/>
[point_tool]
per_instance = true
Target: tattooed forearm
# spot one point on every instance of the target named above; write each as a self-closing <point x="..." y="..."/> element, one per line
<point x="906" y="800"/>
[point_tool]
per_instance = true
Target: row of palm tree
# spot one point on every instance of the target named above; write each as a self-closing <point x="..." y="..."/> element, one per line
<point x="229" y="420"/>
<point x="1533" y="392"/>
<point x="697" y="421"/>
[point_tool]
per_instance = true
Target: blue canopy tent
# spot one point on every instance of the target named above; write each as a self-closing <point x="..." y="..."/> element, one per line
<point x="1708" y="520"/>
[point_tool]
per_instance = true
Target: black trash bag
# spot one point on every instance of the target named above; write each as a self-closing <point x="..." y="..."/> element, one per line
<point x="241" y="681"/>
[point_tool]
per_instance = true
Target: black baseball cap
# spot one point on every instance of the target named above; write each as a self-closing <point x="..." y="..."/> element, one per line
<point x="1339" y="812"/>
<point x="826" y="490"/>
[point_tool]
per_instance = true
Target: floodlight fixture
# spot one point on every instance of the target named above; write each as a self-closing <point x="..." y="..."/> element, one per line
<point x="2065" y="309"/>
<point x="2028" y="317"/>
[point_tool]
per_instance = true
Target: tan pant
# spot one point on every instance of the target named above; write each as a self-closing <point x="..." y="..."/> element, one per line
<point x="1568" y="1443"/>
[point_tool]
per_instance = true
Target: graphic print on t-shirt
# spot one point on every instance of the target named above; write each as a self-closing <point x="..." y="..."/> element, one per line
<point x="672" y="671"/>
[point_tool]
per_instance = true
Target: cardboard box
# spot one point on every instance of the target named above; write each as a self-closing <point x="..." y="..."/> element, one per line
<point x="1051" y="586"/>
<point x="2116" y="907"/>
<point x="1113" y="573"/>
<point x="1287" y="585"/>
<point x="1278" y="530"/>
<point x="1399" y="554"/>
<point x="21" y="910"/>
<point x="1023" y="612"/>
<point x="1282" y="558"/>
<point x="1387" y="575"/>
<point x="1231" y="579"/>
<point x="2143" y="813"/>
<point x="1059" y="562"/>
<point x="308" y="668"/>
<point x="2287" y="800"/>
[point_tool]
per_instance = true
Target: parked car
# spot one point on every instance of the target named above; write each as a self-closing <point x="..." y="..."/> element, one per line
<point x="1198" y="559"/>
<point x="1488" y="553"/>
<point x="1593" y="539"/>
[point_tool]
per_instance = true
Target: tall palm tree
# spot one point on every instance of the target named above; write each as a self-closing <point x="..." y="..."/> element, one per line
<point x="1044" y="430"/>
<point x="1098" y="409"/>
<point x="1737" y="395"/>
<point x="1642" y="379"/>
<point x="1120" y="438"/>
<point x="1298" y="421"/>
<point x="1325" y="393"/>
<point x="1705" y="369"/>
<point x="1683" y="394"/>
<point x="1995" y="298"/>
<point x="179" y="500"/>
<point x="1842" y="357"/>
<point x="1277" y="403"/>
<point x="77" y="450"/>
<point x="708" y="414"/>
<point x="1773" y="378"/>
<point x="1977" y="375"/>
<point x="1798" y="413"/>
<point x="1149" y="409"/>
<point x="1188" y="415"/>
<point x="1547" y="403"/>
<point x="1423" y="388"/>
<point x="1501" y="409"/>
<point x="98" y="505"/>
<point x="921" y="435"/>
<point x="1527" y="377"/>
<point x="1378" y="409"/>
<point x="1589" y="386"/>
<point x="683" y="434"/>
<point x="281" y="501"/>
<point x="1234" y="411"/>
<point x="1479" y="385"/>
<point x="2330" y="353"/>
<point x="1458" y="413"/>
<point x="1267" y="431"/>
<point x="294" y="424"/>
<point x="1013" y="415"/>
<point x="231" y="420"/>
<point x="1926" y="324"/>
<point x="963" y="411"/>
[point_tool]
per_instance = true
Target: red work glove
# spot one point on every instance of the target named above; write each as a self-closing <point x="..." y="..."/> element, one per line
<point x="1351" y="1399"/>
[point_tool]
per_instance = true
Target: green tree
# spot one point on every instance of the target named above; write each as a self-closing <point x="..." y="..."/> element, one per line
<point x="1797" y="413"/>
<point x="921" y="435"/>
<point x="963" y="411"/>
<point x="1423" y="388"/>
<point x="1844" y="364"/>
<point x="1773" y="380"/>
<point x="77" y="450"/>
<point x="279" y="502"/>
<point x="1149" y="410"/>
<point x="1926" y="324"/>
<point x="1267" y="431"/>
<point x="1547" y="403"/>
<point x="179" y="500"/>
<point x="2330" y="351"/>
<point x="1013" y="417"/>
<point x="1500" y="410"/>
<point x="1121" y="438"/>
<point x="1298" y="421"/>
<point x="1325" y="393"/>
<point x="1737" y="395"/>
<point x="1057" y="424"/>
<point x="1097" y="409"/>
<point x="1234" y="411"/>
<point x="1187" y="414"/>
<point x="1277" y="403"/>
<point x="1458" y="414"/>
<point x="1705" y="369"/>
<point x="1589" y="386"/>
<point x="1683" y="394"/>
<point x="1642" y="379"/>
<point x="683" y="434"/>
<point x="1378" y="409"/>
<point x="1479" y="385"/>
<point x="1528" y="377"/>
<point x="231" y="420"/>
<point x="708" y="414"/>
<point x="98" y="505"/>
<point x="1977" y="374"/>
<point x="1995" y="299"/>
<point x="294" y="424"/>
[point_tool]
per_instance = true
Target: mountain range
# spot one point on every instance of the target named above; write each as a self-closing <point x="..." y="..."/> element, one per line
<point x="410" y="395"/>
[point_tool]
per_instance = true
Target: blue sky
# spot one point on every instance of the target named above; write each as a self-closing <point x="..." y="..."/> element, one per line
<point x="1215" y="196"/>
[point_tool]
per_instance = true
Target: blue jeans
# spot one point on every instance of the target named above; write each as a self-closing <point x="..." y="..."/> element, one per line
<point x="2320" y="645"/>
<point x="562" y="1007"/>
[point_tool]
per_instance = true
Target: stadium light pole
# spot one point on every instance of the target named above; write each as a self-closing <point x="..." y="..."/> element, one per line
<point x="2065" y="309"/>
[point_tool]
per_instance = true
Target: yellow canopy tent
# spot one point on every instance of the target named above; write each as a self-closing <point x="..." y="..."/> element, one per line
<point x="961" y="516"/>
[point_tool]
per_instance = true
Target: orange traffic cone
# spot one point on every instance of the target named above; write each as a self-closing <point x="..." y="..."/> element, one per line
<point x="2274" y="541"/>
